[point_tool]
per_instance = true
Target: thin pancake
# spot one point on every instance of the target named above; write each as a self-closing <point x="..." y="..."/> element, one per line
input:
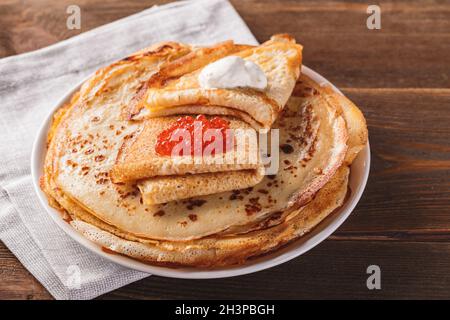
<point x="170" y="188"/>
<point x="279" y="58"/>
<point x="137" y="158"/>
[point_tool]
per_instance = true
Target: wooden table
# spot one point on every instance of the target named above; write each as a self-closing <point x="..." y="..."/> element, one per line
<point x="398" y="75"/>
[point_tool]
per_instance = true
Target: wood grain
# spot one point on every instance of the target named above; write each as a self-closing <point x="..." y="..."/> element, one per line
<point x="398" y="75"/>
<point x="15" y="281"/>
<point x="409" y="185"/>
<point x="332" y="270"/>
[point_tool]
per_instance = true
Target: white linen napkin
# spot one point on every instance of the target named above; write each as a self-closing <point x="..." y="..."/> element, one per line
<point x="31" y="84"/>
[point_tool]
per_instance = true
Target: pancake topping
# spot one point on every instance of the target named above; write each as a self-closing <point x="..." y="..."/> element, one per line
<point x="195" y="134"/>
<point x="232" y="72"/>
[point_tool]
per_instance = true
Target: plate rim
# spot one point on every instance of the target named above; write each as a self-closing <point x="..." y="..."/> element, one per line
<point x="277" y="257"/>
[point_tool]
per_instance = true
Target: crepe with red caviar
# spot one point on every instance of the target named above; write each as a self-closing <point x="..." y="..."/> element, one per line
<point x="139" y="156"/>
<point x="227" y="158"/>
<point x="320" y="134"/>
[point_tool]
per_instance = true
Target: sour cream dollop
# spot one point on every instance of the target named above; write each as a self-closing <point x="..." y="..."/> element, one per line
<point x="232" y="72"/>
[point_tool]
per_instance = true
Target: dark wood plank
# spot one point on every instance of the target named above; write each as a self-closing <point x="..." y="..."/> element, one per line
<point x="15" y="281"/>
<point x="410" y="50"/>
<point x="408" y="186"/>
<point x="409" y="270"/>
<point x="334" y="269"/>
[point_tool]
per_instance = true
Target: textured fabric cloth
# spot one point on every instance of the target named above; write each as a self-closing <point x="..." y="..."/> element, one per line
<point x="31" y="84"/>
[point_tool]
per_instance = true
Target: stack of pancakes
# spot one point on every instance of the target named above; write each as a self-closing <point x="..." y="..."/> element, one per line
<point x="103" y="173"/>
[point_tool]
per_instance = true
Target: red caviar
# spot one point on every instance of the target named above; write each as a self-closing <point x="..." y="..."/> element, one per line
<point x="173" y="136"/>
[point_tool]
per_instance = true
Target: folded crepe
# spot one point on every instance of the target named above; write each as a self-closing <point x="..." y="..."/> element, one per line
<point x="164" y="178"/>
<point x="138" y="158"/>
<point x="169" y="188"/>
<point x="175" y="88"/>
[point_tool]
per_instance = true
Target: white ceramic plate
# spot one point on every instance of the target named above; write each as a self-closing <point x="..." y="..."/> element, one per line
<point x="358" y="178"/>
